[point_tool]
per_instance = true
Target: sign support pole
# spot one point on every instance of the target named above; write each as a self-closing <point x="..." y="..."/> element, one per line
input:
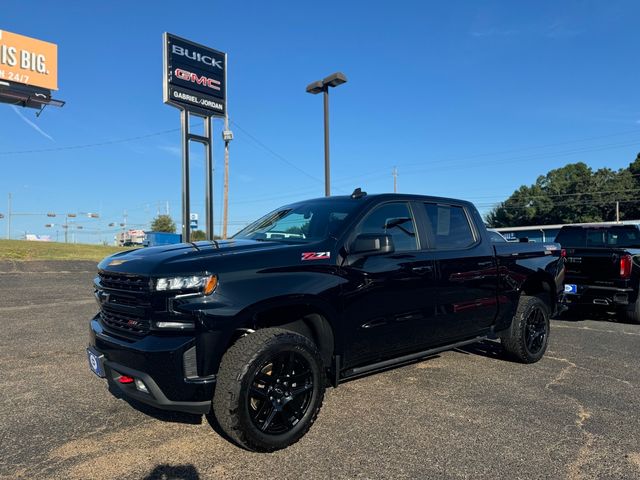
<point x="207" y="141"/>
<point x="208" y="178"/>
<point x="184" y="120"/>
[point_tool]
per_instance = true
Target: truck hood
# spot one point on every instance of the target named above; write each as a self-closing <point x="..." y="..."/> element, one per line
<point x="187" y="257"/>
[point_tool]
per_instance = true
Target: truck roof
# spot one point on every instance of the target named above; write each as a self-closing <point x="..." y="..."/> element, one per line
<point x="386" y="196"/>
<point x="600" y="225"/>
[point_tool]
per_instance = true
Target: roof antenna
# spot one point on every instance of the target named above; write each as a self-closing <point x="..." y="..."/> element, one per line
<point x="358" y="193"/>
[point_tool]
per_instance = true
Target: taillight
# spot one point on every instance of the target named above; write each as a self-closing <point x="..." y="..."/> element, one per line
<point x="563" y="253"/>
<point x="626" y="262"/>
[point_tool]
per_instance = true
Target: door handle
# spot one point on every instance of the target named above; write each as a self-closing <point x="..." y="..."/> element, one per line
<point x="423" y="269"/>
<point x="485" y="264"/>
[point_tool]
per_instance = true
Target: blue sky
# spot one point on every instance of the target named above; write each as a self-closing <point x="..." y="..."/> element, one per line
<point x="468" y="99"/>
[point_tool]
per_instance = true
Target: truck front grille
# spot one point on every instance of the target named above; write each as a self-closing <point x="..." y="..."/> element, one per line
<point x="124" y="322"/>
<point x="126" y="282"/>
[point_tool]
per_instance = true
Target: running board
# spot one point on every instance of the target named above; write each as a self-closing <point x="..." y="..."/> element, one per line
<point x="353" y="372"/>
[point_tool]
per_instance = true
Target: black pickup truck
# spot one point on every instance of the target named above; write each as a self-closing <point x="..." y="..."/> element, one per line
<point x="602" y="270"/>
<point x="253" y="328"/>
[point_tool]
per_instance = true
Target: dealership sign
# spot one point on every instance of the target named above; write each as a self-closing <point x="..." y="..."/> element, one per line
<point x="27" y="61"/>
<point x="194" y="76"/>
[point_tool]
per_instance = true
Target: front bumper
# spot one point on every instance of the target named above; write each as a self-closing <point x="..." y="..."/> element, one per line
<point x="166" y="365"/>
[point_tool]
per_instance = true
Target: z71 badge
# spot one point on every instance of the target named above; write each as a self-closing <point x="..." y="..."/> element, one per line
<point x="316" y="255"/>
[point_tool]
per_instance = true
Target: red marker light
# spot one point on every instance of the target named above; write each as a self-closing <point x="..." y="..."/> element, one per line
<point x="563" y="253"/>
<point x="125" y="379"/>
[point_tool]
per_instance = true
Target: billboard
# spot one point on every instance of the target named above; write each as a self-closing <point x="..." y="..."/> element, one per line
<point x="27" y="61"/>
<point x="194" y="76"/>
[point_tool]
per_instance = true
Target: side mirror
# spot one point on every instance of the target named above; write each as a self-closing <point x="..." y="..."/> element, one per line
<point x="372" y="244"/>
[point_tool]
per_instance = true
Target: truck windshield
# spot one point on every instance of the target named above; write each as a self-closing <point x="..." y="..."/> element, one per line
<point x="610" y="237"/>
<point x="301" y="223"/>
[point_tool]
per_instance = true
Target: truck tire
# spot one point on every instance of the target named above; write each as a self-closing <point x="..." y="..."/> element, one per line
<point x="527" y="338"/>
<point x="632" y="315"/>
<point x="269" y="390"/>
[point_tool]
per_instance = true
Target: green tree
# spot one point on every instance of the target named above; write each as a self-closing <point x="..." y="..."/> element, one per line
<point x="570" y="194"/>
<point x="163" y="223"/>
<point x="634" y="168"/>
<point x="632" y="209"/>
<point x="198" y="235"/>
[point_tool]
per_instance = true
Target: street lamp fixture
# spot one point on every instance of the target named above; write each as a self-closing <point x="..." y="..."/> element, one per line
<point x="333" y="80"/>
<point x="315" y="87"/>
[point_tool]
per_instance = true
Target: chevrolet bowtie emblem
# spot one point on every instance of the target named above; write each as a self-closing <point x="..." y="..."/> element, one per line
<point x="117" y="261"/>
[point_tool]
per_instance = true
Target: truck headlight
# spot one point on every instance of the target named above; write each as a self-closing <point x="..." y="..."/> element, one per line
<point x="204" y="283"/>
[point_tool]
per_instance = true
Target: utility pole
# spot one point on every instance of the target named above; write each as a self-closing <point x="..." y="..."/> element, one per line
<point x="227" y="136"/>
<point x="9" y="218"/>
<point x="617" y="212"/>
<point x="395" y="179"/>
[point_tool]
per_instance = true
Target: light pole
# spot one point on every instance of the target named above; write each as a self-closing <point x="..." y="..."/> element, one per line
<point x="314" y="88"/>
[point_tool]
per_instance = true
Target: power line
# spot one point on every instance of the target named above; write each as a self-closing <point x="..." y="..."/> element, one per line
<point x="563" y="203"/>
<point x="555" y="205"/>
<point x="538" y="147"/>
<point x="275" y="154"/>
<point x="538" y="156"/>
<point x="595" y="192"/>
<point x="90" y="145"/>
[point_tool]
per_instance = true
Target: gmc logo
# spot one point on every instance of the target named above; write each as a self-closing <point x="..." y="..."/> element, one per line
<point x="197" y="56"/>
<point x="197" y="79"/>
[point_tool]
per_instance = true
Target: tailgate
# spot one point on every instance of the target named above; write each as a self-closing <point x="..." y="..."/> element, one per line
<point x="592" y="265"/>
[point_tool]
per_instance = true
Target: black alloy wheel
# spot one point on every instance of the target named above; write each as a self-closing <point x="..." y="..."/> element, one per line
<point x="536" y="330"/>
<point x="269" y="389"/>
<point x="527" y="337"/>
<point x="280" y="393"/>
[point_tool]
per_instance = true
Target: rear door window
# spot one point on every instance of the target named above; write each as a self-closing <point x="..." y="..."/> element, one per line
<point x="450" y="226"/>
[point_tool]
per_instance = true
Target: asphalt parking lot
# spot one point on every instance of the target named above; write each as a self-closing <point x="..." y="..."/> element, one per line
<point x="462" y="414"/>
